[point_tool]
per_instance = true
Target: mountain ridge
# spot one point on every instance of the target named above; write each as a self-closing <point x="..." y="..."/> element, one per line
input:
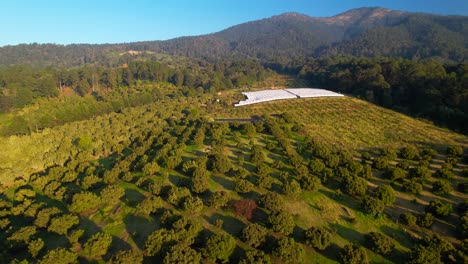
<point x="370" y="32"/>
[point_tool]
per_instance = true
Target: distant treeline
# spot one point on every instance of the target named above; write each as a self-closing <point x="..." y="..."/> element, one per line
<point x="427" y="89"/>
<point x="20" y="85"/>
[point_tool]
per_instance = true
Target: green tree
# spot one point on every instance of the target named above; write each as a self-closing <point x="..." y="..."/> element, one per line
<point x="282" y="222"/>
<point x="112" y="193"/>
<point x="272" y="201"/>
<point x="352" y="254"/>
<point x="243" y="186"/>
<point x="218" y="199"/>
<point x="289" y="251"/>
<point x="35" y="247"/>
<point x="409" y="153"/>
<point x="372" y="206"/>
<point x="84" y="201"/>
<point x="219" y="247"/>
<point x="182" y="253"/>
<point x="441" y="187"/>
<point x="60" y="256"/>
<point x="127" y="257"/>
<point x="439" y="208"/>
<point x="380" y="243"/>
<point x="408" y="219"/>
<point x="455" y="151"/>
<point x="292" y="188"/>
<point x="355" y="186"/>
<point x="254" y="234"/>
<point x="318" y="237"/>
<point x="62" y="224"/>
<point x="425" y="220"/>
<point x="255" y="257"/>
<point x="98" y="245"/>
<point x="386" y="194"/>
<point x="193" y="205"/>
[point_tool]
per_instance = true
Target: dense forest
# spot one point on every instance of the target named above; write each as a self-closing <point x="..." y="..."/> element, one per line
<point x="369" y="32"/>
<point x="426" y="89"/>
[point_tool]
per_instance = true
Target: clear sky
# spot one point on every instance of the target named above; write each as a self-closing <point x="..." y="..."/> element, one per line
<point x="116" y="21"/>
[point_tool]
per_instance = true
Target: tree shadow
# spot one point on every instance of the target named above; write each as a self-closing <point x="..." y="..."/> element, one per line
<point x="298" y="234"/>
<point x="259" y="216"/>
<point x="140" y="228"/>
<point x="226" y="183"/>
<point x="331" y="252"/>
<point x="231" y="224"/>
<point x="349" y="234"/>
<point x="133" y="197"/>
<point x="179" y="181"/>
<point x="398" y="235"/>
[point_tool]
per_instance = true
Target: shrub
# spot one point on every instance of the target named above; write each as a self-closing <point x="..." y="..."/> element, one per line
<point x="352" y="254"/>
<point x="310" y="183"/>
<point x="243" y="186"/>
<point x="127" y="257"/>
<point x="255" y="257"/>
<point x="192" y="204"/>
<point x="254" y="234"/>
<point x="380" y="163"/>
<point x="408" y="219"/>
<point x="272" y="201"/>
<point x="455" y="151"/>
<point x="98" y="245"/>
<point x="380" y="243"/>
<point x="409" y="153"/>
<point x="218" y="199"/>
<point x="420" y="172"/>
<point x="355" y="186"/>
<point x="439" y="208"/>
<point x="386" y="194"/>
<point x="219" y="247"/>
<point x="444" y="173"/>
<point x="282" y="222"/>
<point x="182" y="253"/>
<point x="318" y="237"/>
<point x="412" y="187"/>
<point x="290" y="251"/>
<point x="425" y="220"/>
<point x="292" y="188"/>
<point x="372" y="206"/>
<point x="441" y="187"/>
<point x="395" y="173"/>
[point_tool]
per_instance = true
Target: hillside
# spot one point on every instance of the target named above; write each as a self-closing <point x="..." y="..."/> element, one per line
<point x="371" y="32"/>
<point x="161" y="181"/>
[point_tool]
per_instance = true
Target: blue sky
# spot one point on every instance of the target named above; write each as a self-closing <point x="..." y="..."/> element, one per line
<point x="105" y="21"/>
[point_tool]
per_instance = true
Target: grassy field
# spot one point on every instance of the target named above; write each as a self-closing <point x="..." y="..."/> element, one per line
<point x="351" y="123"/>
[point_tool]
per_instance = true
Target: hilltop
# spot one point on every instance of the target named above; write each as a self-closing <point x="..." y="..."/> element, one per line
<point x="371" y="32"/>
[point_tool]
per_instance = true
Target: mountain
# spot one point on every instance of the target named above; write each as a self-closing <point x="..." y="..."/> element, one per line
<point x="369" y="32"/>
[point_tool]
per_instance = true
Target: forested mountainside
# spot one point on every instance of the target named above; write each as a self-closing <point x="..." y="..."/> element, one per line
<point x="370" y="32"/>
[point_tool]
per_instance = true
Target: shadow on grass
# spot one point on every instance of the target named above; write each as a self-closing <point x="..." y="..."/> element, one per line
<point x="179" y="181"/>
<point x="298" y="234"/>
<point x="133" y="197"/>
<point x="332" y="252"/>
<point x="231" y="224"/>
<point x="140" y="228"/>
<point x="347" y="233"/>
<point x="226" y="183"/>
<point x="398" y="235"/>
